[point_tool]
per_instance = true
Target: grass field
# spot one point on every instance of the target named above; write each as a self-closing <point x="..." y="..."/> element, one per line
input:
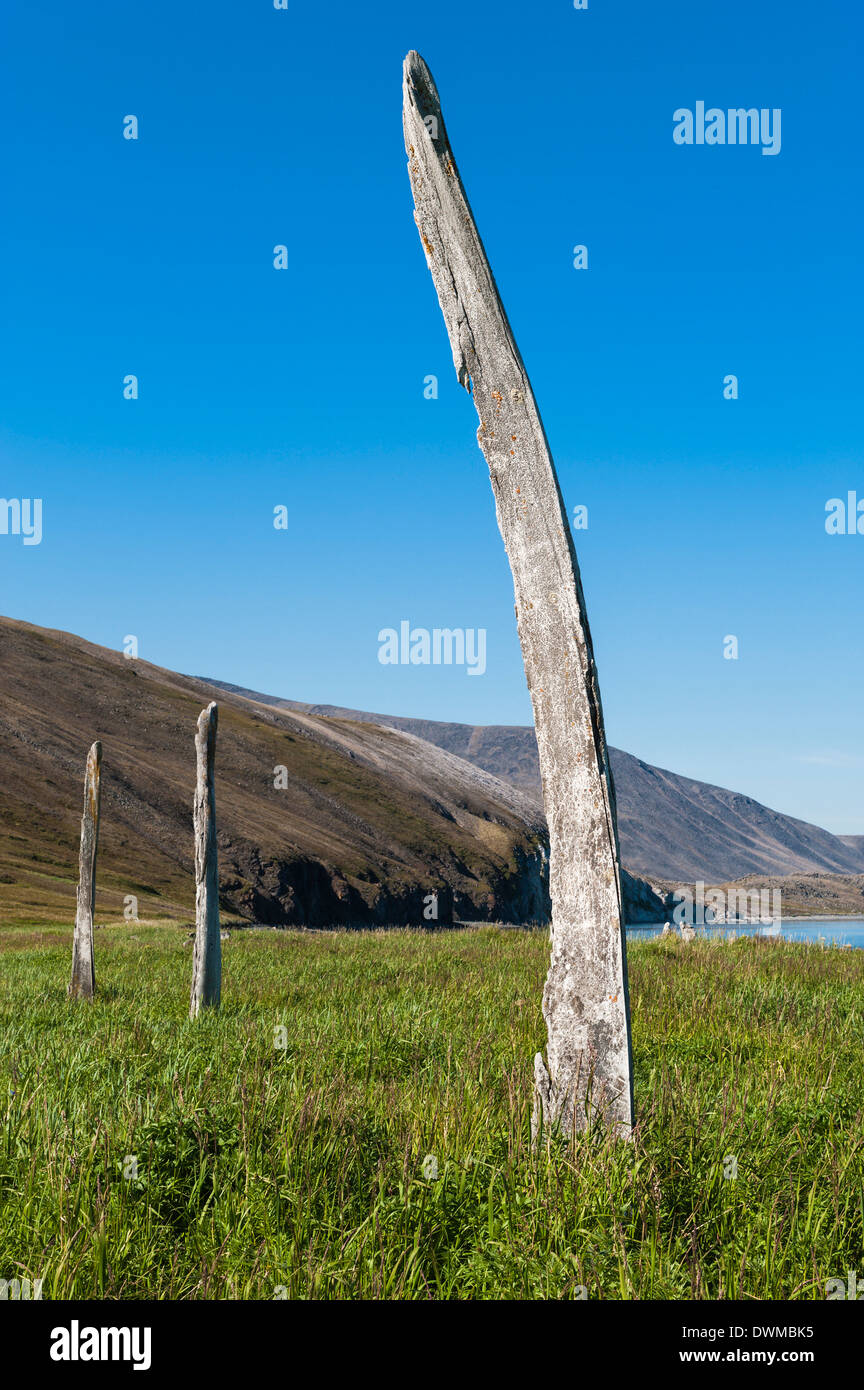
<point x="308" y="1170"/>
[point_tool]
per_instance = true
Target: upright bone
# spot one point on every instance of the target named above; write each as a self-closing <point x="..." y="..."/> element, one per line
<point x="587" y="1076"/>
<point x="207" y="959"/>
<point x="83" y="982"/>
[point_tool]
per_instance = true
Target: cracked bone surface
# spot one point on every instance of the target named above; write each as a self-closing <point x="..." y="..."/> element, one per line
<point x="587" y="1075"/>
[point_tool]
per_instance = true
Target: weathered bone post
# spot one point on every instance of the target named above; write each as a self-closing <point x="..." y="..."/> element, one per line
<point x="83" y="982"/>
<point x="207" y="959"/>
<point x="585" y="1001"/>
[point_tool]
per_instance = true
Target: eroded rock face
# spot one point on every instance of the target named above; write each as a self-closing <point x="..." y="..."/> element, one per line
<point x="304" y="893"/>
<point x="642" y="902"/>
<point x="310" y="894"/>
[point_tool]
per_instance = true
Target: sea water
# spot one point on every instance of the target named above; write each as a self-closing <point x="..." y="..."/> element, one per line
<point x="824" y="931"/>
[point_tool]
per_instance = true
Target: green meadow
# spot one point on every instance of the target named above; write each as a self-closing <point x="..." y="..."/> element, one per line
<point x="355" y="1122"/>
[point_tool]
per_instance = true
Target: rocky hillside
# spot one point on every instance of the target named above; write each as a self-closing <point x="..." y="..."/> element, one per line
<point x="671" y="827"/>
<point x="368" y="822"/>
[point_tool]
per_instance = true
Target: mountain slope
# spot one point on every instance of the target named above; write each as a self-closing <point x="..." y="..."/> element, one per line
<point x="671" y="827"/>
<point x="371" y="819"/>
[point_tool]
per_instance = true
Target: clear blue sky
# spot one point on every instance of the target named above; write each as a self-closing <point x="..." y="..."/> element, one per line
<point x="304" y="387"/>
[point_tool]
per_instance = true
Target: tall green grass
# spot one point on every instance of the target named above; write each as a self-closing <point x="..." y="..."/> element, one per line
<point x="309" y="1170"/>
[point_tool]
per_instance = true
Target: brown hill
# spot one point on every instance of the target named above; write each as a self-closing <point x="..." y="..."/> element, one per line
<point x="671" y="827"/>
<point x="372" y="819"/>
